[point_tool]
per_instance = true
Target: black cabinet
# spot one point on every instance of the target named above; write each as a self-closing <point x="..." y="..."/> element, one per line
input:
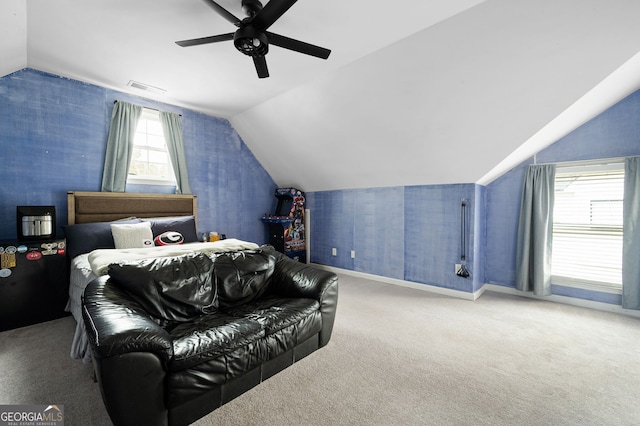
<point x="34" y="282"/>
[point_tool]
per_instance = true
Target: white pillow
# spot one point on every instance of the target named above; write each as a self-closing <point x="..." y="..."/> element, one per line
<point x="132" y="235"/>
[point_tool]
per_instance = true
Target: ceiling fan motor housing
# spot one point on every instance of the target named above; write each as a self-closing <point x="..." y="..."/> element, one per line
<point x="251" y="41"/>
<point x="251" y="7"/>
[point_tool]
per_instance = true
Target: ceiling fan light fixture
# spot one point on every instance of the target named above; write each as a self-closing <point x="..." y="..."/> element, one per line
<point x="251" y="41"/>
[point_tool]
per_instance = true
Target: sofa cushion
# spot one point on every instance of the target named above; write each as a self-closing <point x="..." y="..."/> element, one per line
<point x="170" y="289"/>
<point x="210" y="337"/>
<point x="218" y="348"/>
<point x="197" y="381"/>
<point x="275" y="313"/>
<point x="286" y="322"/>
<point x="243" y="276"/>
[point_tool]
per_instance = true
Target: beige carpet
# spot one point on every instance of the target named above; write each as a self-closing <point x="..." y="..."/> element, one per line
<point x="398" y="356"/>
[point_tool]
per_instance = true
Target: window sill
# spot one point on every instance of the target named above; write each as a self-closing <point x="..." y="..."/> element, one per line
<point x="586" y="285"/>
<point x="149" y="181"/>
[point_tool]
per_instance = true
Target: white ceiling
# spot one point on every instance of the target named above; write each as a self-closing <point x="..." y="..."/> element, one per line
<point x="414" y="92"/>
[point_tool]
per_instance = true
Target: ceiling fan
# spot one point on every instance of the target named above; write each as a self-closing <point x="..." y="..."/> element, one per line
<point x="252" y="37"/>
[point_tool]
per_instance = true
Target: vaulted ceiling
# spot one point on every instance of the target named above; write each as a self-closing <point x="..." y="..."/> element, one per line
<point x="414" y="92"/>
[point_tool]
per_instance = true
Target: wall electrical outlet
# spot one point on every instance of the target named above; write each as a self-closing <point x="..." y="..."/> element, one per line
<point x="334" y="251"/>
<point x="458" y="268"/>
<point x="353" y="254"/>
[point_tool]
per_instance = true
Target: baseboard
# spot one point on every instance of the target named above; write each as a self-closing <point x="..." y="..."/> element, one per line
<point x="583" y="303"/>
<point x="403" y="283"/>
<point x="589" y="304"/>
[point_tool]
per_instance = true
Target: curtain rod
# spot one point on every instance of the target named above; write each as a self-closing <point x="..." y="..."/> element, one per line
<point x="152" y="109"/>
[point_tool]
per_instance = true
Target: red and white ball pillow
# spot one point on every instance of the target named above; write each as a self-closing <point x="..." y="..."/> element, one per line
<point x="169" y="238"/>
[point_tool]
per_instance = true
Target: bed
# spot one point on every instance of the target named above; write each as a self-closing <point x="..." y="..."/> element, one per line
<point x="109" y="227"/>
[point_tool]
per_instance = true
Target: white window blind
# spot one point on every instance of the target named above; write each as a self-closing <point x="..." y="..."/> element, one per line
<point x="150" y="163"/>
<point x="587" y="227"/>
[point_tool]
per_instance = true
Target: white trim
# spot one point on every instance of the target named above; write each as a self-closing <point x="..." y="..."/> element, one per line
<point x="402" y="283"/>
<point x="150" y="114"/>
<point x="135" y="180"/>
<point x="583" y="303"/>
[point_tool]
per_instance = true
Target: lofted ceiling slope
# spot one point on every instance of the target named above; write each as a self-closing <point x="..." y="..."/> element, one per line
<point x="414" y="92"/>
<point x="13" y="36"/>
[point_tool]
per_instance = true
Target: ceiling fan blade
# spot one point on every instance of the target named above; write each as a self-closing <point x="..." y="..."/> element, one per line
<point x="271" y="12"/>
<point x="298" y="46"/>
<point x="205" y="40"/>
<point x="261" y="66"/>
<point x="223" y="12"/>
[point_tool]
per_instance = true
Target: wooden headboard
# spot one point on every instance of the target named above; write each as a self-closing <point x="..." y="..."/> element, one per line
<point x="86" y="207"/>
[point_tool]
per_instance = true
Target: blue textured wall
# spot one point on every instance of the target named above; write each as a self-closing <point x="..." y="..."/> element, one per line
<point x="53" y="134"/>
<point x="433" y="234"/>
<point x="614" y="133"/>
<point x="408" y="233"/>
<point x="379" y="238"/>
<point x="332" y="225"/>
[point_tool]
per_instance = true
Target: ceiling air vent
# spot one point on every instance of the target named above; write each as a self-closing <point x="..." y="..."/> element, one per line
<point x="146" y="87"/>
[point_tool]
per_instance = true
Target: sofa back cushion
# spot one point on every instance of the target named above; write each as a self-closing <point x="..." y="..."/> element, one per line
<point x="243" y="276"/>
<point x="177" y="288"/>
<point x="181" y="288"/>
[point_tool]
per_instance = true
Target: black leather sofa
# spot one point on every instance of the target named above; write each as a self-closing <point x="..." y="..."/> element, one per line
<point x="172" y="339"/>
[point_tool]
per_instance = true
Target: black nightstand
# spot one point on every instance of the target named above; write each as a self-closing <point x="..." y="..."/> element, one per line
<point x="34" y="282"/>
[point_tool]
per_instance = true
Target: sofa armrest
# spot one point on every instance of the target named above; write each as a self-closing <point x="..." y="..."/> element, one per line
<point x="117" y="325"/>
<point x="130" y="353"/>
<point x="294" y="279"/>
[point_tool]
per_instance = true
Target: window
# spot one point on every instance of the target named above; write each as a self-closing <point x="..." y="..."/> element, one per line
<point x="587" y="227"/>
<point x="150" y="163"/>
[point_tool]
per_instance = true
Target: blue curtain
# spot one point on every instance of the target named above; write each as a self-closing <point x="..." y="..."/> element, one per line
<point x="631" y="238"/>
<point x="533" y="254"/>
<point x="175" y="146"/>
<point x="124" y="121"/>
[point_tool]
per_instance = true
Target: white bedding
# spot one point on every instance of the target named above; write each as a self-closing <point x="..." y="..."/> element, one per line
<point x="80" y="276"/>
<point x="86" y="267"/>
<point x="101" y="259"/>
